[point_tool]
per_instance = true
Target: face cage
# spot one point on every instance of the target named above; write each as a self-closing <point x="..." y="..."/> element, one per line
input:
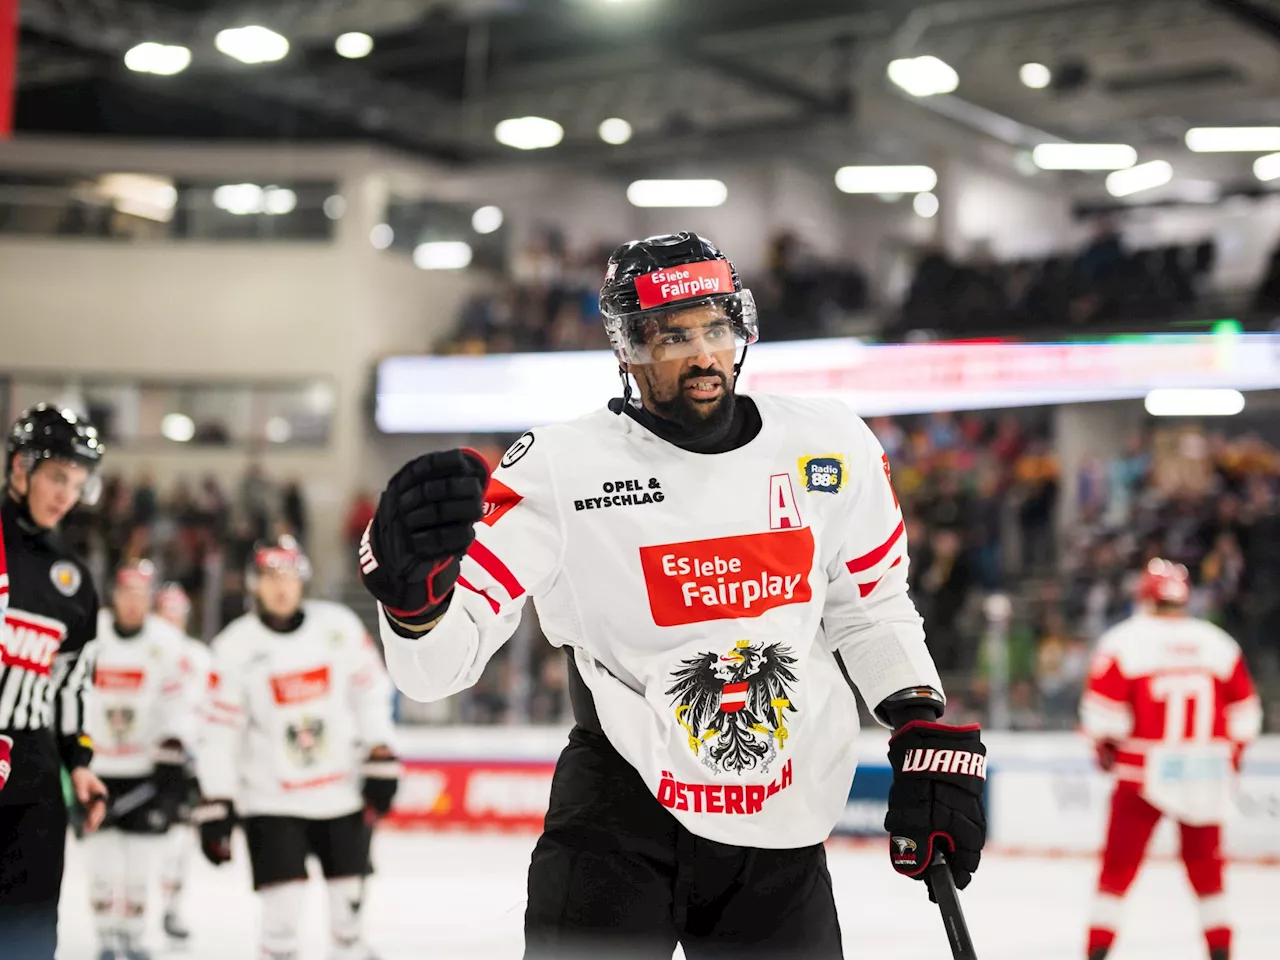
<point x="633" y="335"/>
<point x="90" y="493"/>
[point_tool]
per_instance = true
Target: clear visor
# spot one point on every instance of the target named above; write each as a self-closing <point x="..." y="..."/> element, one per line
<point x="86" y="488"/>
<point x="719" y="325"/>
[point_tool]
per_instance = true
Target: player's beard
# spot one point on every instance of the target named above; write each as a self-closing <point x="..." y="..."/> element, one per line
<point x="694" y="418"/>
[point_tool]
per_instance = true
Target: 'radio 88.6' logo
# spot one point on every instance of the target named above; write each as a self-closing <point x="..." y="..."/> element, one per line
<point x="822" y="474"/>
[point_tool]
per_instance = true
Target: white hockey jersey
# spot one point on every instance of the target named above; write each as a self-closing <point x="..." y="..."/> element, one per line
<point x="139" y="697"/>
<point x="1175" y="696"/>
<point x="293" y="715"/>
<point x="705" y="598"/>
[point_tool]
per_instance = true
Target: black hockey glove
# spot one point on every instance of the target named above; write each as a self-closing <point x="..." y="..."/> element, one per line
<point x="938" y="775"/>
<point x="424" y="524"/>
<point x="381" y="772"/>
<point x="217" y="822"/>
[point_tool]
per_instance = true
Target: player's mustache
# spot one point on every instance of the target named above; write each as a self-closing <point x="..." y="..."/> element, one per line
<point x="697" y="373"/>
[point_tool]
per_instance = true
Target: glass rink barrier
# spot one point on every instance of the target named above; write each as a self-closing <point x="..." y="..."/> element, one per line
<point x="451" y="864"/>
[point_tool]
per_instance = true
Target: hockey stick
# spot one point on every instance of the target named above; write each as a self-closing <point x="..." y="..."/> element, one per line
<point x="140" y="795"/>
<point x="943" y="888"/>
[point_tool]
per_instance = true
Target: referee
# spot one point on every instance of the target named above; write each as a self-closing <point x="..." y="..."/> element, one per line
<point x="51" y="462"/>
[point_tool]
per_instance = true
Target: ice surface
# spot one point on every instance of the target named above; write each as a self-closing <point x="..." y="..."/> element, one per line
<point x="446" y="896"/>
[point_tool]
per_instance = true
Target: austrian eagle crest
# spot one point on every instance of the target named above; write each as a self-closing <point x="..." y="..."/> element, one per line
<point x="733" y="706"/>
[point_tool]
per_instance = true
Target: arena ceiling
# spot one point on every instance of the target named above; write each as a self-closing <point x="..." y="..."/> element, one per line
<point x="692" y="76"/>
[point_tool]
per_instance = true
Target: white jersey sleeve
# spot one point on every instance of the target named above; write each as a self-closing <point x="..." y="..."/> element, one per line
<point x="371" y="692"/>
<point x="517" y="553"/>
<point x="869" y="619"/>
<point x="226" y="720"/>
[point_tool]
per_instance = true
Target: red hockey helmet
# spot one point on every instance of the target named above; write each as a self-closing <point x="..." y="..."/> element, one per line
<point x="282" y="555"/>
<point x="136" y="573"/>
<point x="1165" y="583"/>
<point x="172" y="601"/>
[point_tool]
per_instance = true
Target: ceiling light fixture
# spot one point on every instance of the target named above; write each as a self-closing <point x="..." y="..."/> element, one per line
<point x="1145" y="176"/>
<point x="528" y="133"/>
<point x="923" y="76"/>
<point x="486" y="219"/>
<point x="677" y="193"/>
<point x="925" y="205"/>
<point x="1233" y="139"/>
<point x="615" y="130"/>
<point x="891" y="180"/>
<point x="161" y="59"/>
<point x="1267" y="168"/>
<point x="353" y="46"/>
<point x="1084" y="156"/>
<point x="252" y="44"/>
<point x="177" y="427"/>
<point x="442" y="255"/>
<point x="1035" y="75"/>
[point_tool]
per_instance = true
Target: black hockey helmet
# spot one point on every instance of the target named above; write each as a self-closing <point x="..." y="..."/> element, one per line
<point x="649" y="280"/>
<point x="46" y="432"/>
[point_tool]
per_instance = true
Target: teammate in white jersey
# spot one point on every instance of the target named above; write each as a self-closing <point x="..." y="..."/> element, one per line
<point x="718" y="568"/>
<point x="173" y="606"/>
<point x="298" y="749"/>
<point x="141" y="721"/>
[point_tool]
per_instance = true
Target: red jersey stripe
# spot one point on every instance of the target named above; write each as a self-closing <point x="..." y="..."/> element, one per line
<point x="866" y="588"/>
<point x="495" y="568"/>
<point x="462" y="582"/>
<point x="869" y="560"/>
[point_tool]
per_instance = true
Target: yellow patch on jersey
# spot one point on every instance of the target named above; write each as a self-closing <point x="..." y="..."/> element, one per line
<point x="822" y="474"/>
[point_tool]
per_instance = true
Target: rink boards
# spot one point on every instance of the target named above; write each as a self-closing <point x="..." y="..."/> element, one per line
<point x="1044" y="794"/>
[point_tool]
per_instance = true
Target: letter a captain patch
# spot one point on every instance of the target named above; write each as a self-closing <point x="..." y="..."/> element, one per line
<point x="784" y="512"/>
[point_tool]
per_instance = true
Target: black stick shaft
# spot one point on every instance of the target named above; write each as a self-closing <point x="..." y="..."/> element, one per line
<point x="944" y="891"/>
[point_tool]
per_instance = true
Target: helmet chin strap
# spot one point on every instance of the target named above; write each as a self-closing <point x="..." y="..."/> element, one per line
<point x="626" y="387"/>
<point x="737" y="367"/>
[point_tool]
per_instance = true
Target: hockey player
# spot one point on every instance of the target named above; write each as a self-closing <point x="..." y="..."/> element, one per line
<point x="299" y="749"/>
<point x="717" y="568"/>
<point x="141" y="721"/>
<point x="174" y="607"/>
<point x="51" y="461"/>
<point x="1170" y="706"/>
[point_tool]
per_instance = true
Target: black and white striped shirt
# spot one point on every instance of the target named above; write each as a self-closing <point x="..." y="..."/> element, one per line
<point x="46" y="658"/>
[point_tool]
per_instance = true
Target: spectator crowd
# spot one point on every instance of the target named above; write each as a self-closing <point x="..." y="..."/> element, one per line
<point x="547" y="299"/>
<point x="192" y="532"/>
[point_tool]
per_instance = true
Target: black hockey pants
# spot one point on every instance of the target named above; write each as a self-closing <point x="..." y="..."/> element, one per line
<point x="33" y="839"/>
<point x="615" y="877"/>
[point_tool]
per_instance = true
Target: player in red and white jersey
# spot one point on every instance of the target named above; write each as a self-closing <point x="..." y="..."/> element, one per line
<point x="173" y="606"/>
<point x="720" y="568"/>
<point x="1170" y="706"/>
<point x="298" y="750"/>
<point x="141" y="722"/>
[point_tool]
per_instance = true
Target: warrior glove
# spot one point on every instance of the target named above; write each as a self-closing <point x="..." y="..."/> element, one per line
<point x="425" y="522"/>
<point x="936" y="798"/>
